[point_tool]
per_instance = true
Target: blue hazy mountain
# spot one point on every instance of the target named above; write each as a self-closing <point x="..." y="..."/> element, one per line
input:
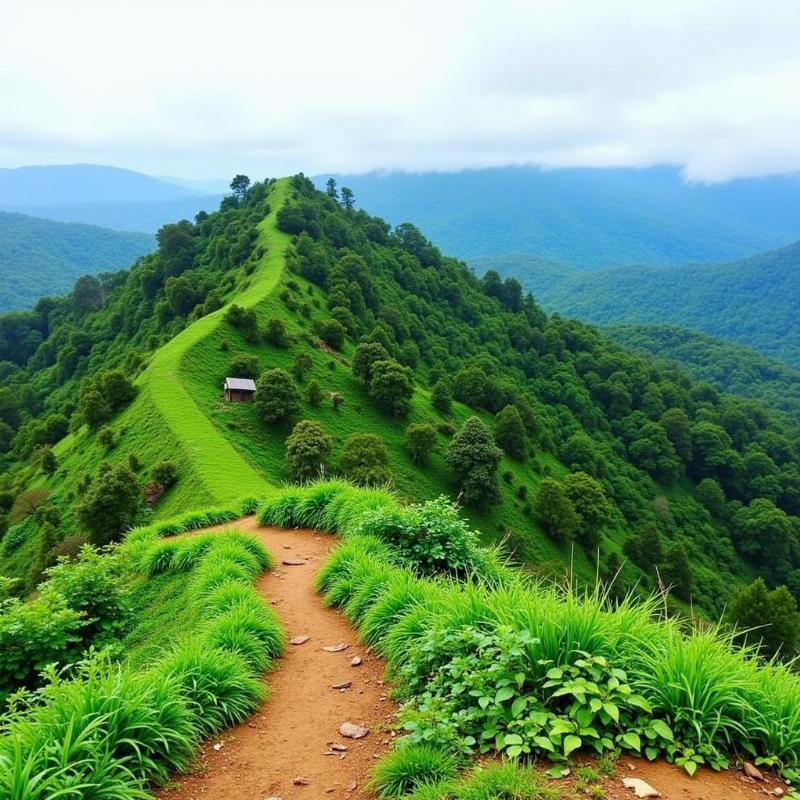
<point x="590" y="218"/>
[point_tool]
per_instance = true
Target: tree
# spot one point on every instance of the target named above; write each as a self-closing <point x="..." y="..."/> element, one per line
<point x="392" y="386"/>
<point x="509" y="432"/>
<point x="348" y="199"/>
<point x="764" y="617"/>
<point x="307" y="448"/>
<point x="710" y="494"/>
<point x="110" y="505"/>
<point x="277" y="396"/>
<point x="679" y="431"/>
<point x="364" y="460"/>
<point x="580" y="453"/>
<point x="366" y="355"/>
<point x="653" y="452"/>
<point x="442" y="396"/>
<point x="590" y="503"/>
<point x="239" y="186"/>
<point x="332" y="332"/>
<point x="330" y="190"/>
<point x="314" y="393"/>
<point x="474" y="457"/>
<point x="47" y="460"/>
<point x="676" y="572"/>
<point x="275" y="333"/>
<point x="646" y="549"/>
<point x="420" y="438"/>
<point x="302" y="363"/>
<point x="243" y="365"/>
<point x="93" y="408"/>
<point x="245" y="320"/>
<point x="165" y="474"/>
<point x="763" y="531"/>
<point x="556" y="512"/>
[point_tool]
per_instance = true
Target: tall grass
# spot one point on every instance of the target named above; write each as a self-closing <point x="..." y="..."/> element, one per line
<point x="112" y="732"/>
<point x="716" y="698"/>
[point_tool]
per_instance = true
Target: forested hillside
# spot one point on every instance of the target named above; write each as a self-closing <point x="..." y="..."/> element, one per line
<point x="730" y="367"/>
<point x="388" y="362"/>
<point x="39" y="257"/>
<point x="755" y="301"/>
<point x="591" y="218"/>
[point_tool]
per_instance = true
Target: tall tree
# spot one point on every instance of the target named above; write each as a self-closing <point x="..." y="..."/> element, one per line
<point x="307" y="448"/>
<point x="348" y="198"/>
<point x="330" y="189"/>
<point x="509" y="432"/>
<point x="475" y="457"/>
<point x="239" y="186"/>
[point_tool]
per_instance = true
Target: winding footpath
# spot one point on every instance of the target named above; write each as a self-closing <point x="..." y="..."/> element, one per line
<point x="284" y="749"/>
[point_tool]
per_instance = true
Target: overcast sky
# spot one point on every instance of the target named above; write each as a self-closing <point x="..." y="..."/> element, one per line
<point x="206" y="89"/>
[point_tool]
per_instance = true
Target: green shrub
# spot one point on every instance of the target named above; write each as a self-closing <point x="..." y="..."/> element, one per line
<point x="251" y="630"/>
<point x="409" y="766"/>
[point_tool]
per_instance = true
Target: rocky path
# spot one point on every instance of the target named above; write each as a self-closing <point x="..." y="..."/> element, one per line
<point x="292" y="746"/>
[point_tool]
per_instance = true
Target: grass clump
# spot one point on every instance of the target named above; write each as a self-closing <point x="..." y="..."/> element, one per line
<point x="412" y="765"/>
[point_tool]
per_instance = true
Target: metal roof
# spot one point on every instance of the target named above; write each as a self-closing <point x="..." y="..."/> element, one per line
<point x="242" y="384"/>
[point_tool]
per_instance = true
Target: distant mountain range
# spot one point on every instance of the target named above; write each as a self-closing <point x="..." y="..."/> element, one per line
<point x="41" y="257"/>
<point x="591" y="218"/>
<point x="753" y="301"/>
<point x="106" y="196"/>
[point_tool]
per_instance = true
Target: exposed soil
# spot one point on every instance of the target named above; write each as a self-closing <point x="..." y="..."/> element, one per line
<point x="287" y="738"/>
<point x="675" y="784"/>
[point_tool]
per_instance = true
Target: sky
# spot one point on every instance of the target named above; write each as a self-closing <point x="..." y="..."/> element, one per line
<point x="201" y="89"/>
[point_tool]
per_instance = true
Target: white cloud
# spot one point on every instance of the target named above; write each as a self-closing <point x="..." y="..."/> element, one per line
<point x="210" y="88"/>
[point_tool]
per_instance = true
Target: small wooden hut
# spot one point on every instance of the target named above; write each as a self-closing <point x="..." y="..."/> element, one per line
<point x="239" y="390"/>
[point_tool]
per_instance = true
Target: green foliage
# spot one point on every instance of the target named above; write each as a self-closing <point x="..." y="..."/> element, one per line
<point x="509" y="432"/>
<point x="523" y="667"/>
<point x="277" y="396"/>
<point x="165" y="473"/>
<point x="410" y="766"/>
<point x="391" y="386"/>
<point x="474" y="457"/>
<point x="364" y="358"/>
<point x="556" y="511"/>
<point x="111" y="504"/>
<point x="677" y="570"/>
<point x="276" y="334"/>
<point x="245" y="320"/>
<point x="307" y="448"/>
<point x="421" y="438"/>
<point x="769" y="619"/>
<point x="590" y="503"/>
<point x="243" y="365"/>
<point x="364" y="460"/>
<point x="442" y="396"/>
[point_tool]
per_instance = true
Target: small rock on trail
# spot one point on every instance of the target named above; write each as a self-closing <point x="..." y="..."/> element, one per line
<point x="356" y="661"/>
<point x="342" y="685"/>
<point x="640" y="788"/>
<point x="299" y="639"/>
<point x="352" y="731"/>
<point x="293" y="562"/>
<point x="752" y="771"/>
<point x="336" y="648"/>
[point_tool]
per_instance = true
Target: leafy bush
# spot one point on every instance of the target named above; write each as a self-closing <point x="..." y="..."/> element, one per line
<point x="364" y="460"/>
<point x="431" y="536"/>
<point x="277" y="396"/>
<point x="165" y="473"/>
<point x="307" y="448"/>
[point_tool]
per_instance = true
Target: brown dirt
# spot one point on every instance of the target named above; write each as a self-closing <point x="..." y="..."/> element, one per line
<point x="674" y="783"/>
<point x="287" y="737"/>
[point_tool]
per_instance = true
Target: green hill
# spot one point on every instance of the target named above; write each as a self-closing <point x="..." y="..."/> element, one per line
<point x="39" y="257"/>
<point x="731" y="367"/>
<point x="753" y="302"/>
<point x="294" y="280"/>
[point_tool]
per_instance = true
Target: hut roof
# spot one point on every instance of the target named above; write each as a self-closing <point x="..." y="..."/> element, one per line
<point x="240" y="384"/>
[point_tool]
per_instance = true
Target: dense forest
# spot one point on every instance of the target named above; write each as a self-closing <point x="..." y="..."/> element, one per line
<point x="753" y="302"/>
<point x="730" y="367"/>
<point x="39" y="257"/>
<point x="593" y="447"/>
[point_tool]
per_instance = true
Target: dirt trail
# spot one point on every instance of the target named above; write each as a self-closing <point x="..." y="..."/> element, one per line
<point x="286" y="739"/>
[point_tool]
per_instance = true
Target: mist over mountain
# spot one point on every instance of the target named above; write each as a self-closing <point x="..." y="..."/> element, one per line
<point x="590" y="218"/>
<point x="106" y="196"/>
